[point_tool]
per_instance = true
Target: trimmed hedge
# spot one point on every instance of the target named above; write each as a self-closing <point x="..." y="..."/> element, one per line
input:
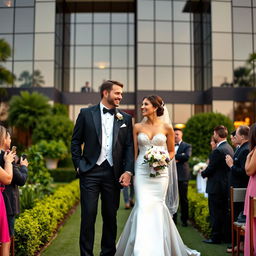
<point x="198" y="210"/>
<point x="36" y="226"/>
<point x="63" y="175"/>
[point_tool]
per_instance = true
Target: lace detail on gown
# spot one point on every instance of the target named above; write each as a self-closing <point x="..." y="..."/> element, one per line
<point x="150" y="230"/>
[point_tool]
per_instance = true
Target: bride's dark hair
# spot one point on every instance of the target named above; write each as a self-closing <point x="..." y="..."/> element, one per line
<point x="157" y="102"/>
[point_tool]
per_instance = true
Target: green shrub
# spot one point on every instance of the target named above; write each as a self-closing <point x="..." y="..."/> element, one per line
<point x="63" y="175"/>
<point x="66" y="162"/>
<point x="60" y="109"/>
<point x="199" y="129"/>
<point x="36" y="226"/>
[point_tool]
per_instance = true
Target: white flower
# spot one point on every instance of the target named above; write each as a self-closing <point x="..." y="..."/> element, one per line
<point x="119" y="116"/>
<point x="199" y="167"/>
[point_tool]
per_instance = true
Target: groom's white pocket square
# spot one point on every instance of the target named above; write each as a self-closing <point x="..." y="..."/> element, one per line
<point x="123" y="125"/>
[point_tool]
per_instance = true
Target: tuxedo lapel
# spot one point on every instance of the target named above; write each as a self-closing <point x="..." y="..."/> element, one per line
<point x="116" y="128"/>
<point x="97" y="122"/>
<point x="180" y="147"/>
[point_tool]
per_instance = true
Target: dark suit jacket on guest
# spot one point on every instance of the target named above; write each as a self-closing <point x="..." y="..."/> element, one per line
<point x="238" y="177"/>
<point x="217" y="170"/>
<point x="183" y="154"/>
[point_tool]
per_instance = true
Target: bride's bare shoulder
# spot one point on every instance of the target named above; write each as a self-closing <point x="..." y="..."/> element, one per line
<point x="168" y="127"/>
<point x="137" y="126"/>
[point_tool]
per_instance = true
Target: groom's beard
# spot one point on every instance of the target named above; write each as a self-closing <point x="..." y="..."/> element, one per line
<point x="112" y="102"/>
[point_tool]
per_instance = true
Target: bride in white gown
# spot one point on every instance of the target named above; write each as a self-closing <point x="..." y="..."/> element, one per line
<point x="150" y="230"/>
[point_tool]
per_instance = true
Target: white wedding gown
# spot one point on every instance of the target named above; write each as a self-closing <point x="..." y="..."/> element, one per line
<point x="150" y="230"/>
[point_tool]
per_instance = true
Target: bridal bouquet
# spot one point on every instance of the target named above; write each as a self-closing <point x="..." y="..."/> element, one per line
<point x="199" y="167"/>
<point x="157" y="159"/>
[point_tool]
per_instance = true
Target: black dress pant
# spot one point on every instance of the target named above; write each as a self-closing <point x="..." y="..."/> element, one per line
<point x="99" y="181"/>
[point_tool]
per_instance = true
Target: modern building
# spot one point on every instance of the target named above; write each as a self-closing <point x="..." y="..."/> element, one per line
<point x="193" y="53"/>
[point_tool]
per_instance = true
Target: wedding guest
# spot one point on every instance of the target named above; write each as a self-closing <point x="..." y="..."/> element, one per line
<point x="250" y="168"/>
<point x="233" y="140"/>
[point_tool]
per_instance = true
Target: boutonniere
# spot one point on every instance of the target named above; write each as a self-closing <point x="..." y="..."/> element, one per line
<point x="119" y="116"/>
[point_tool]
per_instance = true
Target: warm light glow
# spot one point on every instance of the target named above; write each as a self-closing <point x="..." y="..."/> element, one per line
<point x="102" y="65"/>
<point x="8" y="3"/>
<point x="180" y="126"/>
<point x="246" y="121"/>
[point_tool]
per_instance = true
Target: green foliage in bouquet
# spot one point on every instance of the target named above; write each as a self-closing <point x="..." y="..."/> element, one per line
<point x="36" y="226"/>
<point x="199" y="129"/>
<point x="53" y="149"/>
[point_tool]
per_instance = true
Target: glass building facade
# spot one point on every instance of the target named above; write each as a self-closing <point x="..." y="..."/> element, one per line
<point x="192" y="53"/>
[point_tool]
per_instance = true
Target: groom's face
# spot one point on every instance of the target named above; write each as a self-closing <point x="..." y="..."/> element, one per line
<point x="114" y="96"/>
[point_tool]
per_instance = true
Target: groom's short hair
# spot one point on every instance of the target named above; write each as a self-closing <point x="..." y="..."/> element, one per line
<point x="107" y="85"/>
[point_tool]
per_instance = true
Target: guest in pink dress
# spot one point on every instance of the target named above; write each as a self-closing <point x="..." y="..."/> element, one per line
<point x="5" y="178"/>
<point x="250" y="168"/>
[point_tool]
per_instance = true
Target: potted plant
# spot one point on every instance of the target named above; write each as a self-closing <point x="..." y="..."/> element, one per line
<point x="53" y="151"/>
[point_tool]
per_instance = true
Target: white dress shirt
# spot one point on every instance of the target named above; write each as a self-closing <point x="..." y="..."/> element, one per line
<point x="107" y="122"/>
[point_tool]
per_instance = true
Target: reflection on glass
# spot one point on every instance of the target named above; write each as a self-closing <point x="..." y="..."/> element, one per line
<point x="131" y="57"/>
<point x="83" y="56"/>
<point x="145" y="78"/>
<point x="81" y="76"/>
<point x="24" y="20"/>
<point x="23" y="47"/>
<point x="6" y="20"/>
<point x="163" y="54"/>
<point x="182" y="112"/>
<point x="44" y="46"/>
<point x="43" y="24"/>
<point x="145" y="54"/>
<point x="72" y="34"/>
<point x="178" y="11"/>
<point x="242" y="53"/>
<point x="163" y="10"/>
<point x="131" y="34"/>
<point x="101" y="57"/>
<point x="47" y="71"/>
<point x="145" y="9"/>
<point x="242" y="20"/>
<point x="222" y="73"/>
<point x="71" y="58"/>
<point x="182" y="79"/>
<point x="182" y="55"/>
<point x="224" y="107"/>
<point x="99" y="76"/>
<point x="8" y="39"/>
<point x="121" y="76"/>
<point x="182" y="32"/>
<point x="221" y="16"/>
<point x="83" y="34"/>
<point x="244" y="111"/>
<point x="101" y="17"/>
<point x="242" y="3"/>
<point x="101" y="34"/>
<point x="24" y="2"/>
<point x="119" y="34"/>
<point x="221" y="46"/>
<point x="145" y="31"/>
<point x="130" y="84"/>
<point x="119" y="17"/>
<point x="163" y="78"/>
<point x="83" y="17"/>
<point x="118" y="56"/>
<point x="131" y="17"/>
<point x="23" y="69"/>
<point x="163" y="32"/>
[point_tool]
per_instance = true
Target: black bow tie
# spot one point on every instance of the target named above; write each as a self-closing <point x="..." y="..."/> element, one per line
<point x="111" y="111"/>
<point x="177" y="144"/>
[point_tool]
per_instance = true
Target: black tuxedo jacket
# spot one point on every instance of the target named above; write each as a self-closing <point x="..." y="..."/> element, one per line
<point x="217" y="170"/>
<point x="88" y="131"/>
<point x="238" y="177"/>
<point x="183" y="154"/>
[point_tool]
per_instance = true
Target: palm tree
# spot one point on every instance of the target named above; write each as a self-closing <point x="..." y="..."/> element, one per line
<point x="242" y="77"/>
<point x="35" y="79"/>
<point x="26" y="78"/>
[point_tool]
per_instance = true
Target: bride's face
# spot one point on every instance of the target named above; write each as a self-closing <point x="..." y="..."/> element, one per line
<point x="147" y="108"/>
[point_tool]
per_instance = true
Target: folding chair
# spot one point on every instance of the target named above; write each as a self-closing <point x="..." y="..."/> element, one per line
<point x="236" y="195"/>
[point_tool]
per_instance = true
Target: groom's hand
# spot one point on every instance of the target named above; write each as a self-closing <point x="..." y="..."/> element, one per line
<point x="125" y="179"/>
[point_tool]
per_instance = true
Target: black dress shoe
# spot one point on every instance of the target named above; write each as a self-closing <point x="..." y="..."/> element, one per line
<point x="210" y="241"/>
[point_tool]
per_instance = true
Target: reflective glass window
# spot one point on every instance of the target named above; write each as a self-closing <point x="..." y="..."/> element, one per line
<point x="224" y="107"/>
<point x="81" y="76"/>
<point x="83" y="56"/>
<point x="145" y="54"/>
<point x="145" y="78"/>
<point x="23" y="71"/>
<point x="164" y="78"/>
<point x="145" y="9"/>
<point x="131" y="17"/>
<point x="118" y="56"/>
<point x="101" y="34"/>
<point x="72" y="34"/>
<point x="100" y="75"/>
<point x="242" y="20"/>
<point x="242" y="3"/>
<point x="254" y="20"/>
<point x="83" y="17"/>
<point x="131" y="56"/>
<point x="163" y="32"/>
<point x="47" y="71"/>
<point x="178" y="11"/>
<point x="222" y="73"/>
<point x="119" y="34"/>
<point x="101" y="17"/>
<point x="245" y="41"/>
<point x="163" y="10"/>
<point x="101" y="58"/>
<point x="44" y="46"/>
<point x="182" y="112"/>
<point x="221" y="16"/>
<point x="182" y="79"/>
<point x="181" y="32"/>
<point x="221" y="46"/>
<point x="24" y="20"/>
<point x="23" y="47"/>
<point x="163" y="54"/>
<point x="131" y="34"/>
<point x="182" y="55"/>
<point x="83" y="34"/>
<point x="145" y="31"/>
<point x="71" y="57"/>
<point x="131" y="80"/>
<point x="6" y="20"/>
<point x="24" y="2"/>
<point x="9" y="40"/>
<point x="119" y="17"/>
<point x="43" y="24"/>
<point x="120" y="75"/>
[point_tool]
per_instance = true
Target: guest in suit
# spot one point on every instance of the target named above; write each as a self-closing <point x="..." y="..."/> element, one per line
<point x="183" y="152"/>
<point x="217" y="186"/>
<point x="104" y="165"/>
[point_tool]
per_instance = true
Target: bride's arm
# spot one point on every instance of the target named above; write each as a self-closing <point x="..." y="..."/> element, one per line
<point x="135" y="140"/>
<point x="170" y="141"/>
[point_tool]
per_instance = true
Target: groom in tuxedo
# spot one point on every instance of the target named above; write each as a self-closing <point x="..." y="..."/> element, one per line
<point x="103" y="156"/>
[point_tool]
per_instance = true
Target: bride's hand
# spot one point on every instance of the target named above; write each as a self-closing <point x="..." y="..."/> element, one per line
<point x="125" y="179"/>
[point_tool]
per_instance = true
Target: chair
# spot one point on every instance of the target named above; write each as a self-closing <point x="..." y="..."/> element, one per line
<point x="236" y="195"/>
<point x="252" y="216"/>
